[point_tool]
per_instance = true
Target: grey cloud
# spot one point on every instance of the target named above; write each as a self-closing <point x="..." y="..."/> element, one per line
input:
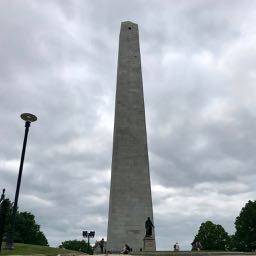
<point x="58" y="60"/>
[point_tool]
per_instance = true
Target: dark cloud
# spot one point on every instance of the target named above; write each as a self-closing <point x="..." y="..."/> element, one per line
<point x="58" y="61"/>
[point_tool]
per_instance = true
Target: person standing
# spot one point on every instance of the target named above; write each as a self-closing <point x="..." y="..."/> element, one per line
<point x="198" y="246"/>
<point x="102" y="242"/>
<point x="176" y="247"/>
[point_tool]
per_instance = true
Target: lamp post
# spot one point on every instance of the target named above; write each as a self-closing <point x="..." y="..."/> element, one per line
<point x="89" y="235"/>
<point x="28" y="118"/>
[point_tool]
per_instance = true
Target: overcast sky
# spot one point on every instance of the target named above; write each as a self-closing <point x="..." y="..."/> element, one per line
<point x="58" y="60"/>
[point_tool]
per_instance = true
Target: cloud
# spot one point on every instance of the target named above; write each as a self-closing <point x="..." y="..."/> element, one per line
<point x="58" y="61"/>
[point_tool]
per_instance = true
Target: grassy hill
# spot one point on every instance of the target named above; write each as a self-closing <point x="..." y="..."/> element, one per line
<point x="29" y="249"/>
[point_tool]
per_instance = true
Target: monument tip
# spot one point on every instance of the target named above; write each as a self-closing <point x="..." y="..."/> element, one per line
<point x="129" y="23"/>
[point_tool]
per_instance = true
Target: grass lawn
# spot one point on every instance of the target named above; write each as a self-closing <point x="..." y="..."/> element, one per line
<point x="29" y="249"/>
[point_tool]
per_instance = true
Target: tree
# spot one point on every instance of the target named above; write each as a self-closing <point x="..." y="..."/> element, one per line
<point x="27" y="231"/>
<point x="245" y="224"/>
<point x="212" y="236"/>
<point x="76" y="245"/>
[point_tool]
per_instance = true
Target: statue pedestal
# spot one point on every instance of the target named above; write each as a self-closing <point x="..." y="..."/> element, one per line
<point x="149" y="244"/>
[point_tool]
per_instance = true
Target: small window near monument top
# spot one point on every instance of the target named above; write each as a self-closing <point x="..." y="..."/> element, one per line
<point x="129" y="28"/>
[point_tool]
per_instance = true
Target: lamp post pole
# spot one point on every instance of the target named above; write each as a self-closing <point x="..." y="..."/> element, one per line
<point x="3" y="207"/>
<point x="28" y="118"/>
<point x="88" y="244"/>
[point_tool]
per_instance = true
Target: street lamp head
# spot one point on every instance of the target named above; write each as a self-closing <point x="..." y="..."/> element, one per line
<point x="28" y="117"/>
<point x="92" y="234"/>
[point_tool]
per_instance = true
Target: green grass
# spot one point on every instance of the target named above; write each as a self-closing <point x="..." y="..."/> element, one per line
<point x="29" y="249"/>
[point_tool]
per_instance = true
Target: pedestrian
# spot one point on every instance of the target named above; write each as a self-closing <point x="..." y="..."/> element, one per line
<point x="101" y="245"/>
<point x="198" y="246"/>
<point x="176" y="247"/>
<point x="126" y="249"/>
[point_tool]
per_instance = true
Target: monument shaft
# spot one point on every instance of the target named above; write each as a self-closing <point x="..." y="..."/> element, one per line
<point x="130" y="193"/>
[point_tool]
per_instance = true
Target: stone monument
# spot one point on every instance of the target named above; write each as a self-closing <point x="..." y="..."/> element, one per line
<point x="130" y="201"/>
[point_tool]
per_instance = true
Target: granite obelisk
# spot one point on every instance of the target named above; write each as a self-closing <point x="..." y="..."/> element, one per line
<point x="130" y="201"/>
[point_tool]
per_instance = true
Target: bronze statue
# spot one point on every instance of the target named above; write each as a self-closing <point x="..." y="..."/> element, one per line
<point x="149" y="225"/>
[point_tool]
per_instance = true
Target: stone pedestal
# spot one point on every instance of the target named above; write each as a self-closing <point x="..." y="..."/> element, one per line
<point x="149" y="244"/>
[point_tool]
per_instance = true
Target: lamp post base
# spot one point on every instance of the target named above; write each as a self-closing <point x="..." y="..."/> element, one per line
<point x="9" y="242"/>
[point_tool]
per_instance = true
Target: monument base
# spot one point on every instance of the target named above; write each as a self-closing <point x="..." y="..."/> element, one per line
<point x="149" y="244"/>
